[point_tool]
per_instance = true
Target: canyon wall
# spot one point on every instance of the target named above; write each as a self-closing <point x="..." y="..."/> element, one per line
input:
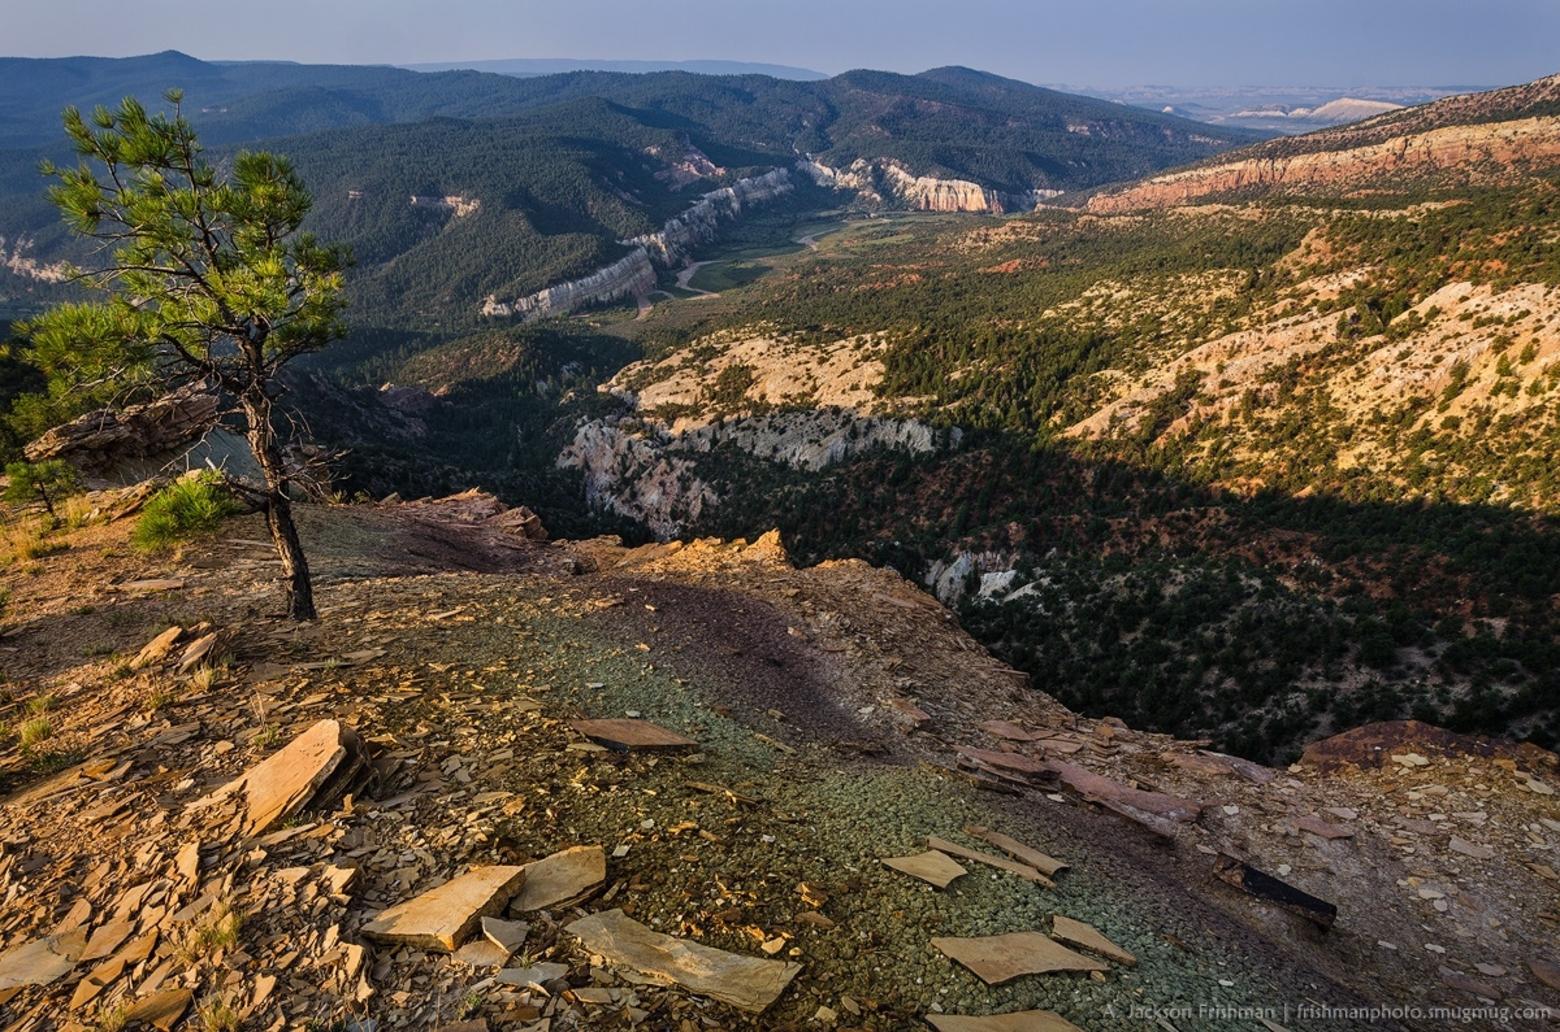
<point x="630" y="276"/>
<point x="1466" y="154"/>
<point x="884" y="182"/>
<point x="645" y="470"/>
<point x="699" y="224"/>
<point x="634" y="274"/>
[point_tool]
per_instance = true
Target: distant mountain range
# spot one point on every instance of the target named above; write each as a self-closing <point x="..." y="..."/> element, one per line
<point x="456" y="186"/>
<point x="559" y="65"/>
<point x="1275" y="109"/>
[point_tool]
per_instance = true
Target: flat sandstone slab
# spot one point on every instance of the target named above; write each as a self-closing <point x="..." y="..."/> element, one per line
<point x="631" y="734"/>
<point x="931" y="866"/>
<point x="747" y="983"/>
<point x="289" y="779"/>
<point x="561" y="877"/>
<point x="1017" y="1021"/>
<point x="1087" y="937"/>
<point x="444" y="917"/>
<point x="1002" y="958"/>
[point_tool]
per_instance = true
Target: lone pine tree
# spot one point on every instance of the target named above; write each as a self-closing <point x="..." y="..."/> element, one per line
<point x="207" y="279"/>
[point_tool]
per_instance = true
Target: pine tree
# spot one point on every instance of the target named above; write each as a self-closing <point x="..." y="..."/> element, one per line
<point x="208" y="280"/>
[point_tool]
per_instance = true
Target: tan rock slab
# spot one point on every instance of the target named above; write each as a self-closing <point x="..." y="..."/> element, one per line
<point x="1086" y="937"/>
<point x="198" y="651"/>
<point x="1001" y="958"/>
<point x="322" y="762"/>
<point x="443" y="918"/>
<point x="1012" y="761"/>
<point x="41" y="961"/>
<point x="932" y="866"/>
<point x="105" y="939"/>
<point x="1046" y="865"/>
<point x="156" y="650"/>
<point x="1017" y="1021"/>
<point x="536" y="974"/>
<point x="161" y="1009"/>
<point x="565" y="875"/>
<point x="631" y="734"/>
<point x="747" y="983"/>
<point x="1098" y="788"/>
<point x="483" y="953"/>
<point x="999" y="862"/>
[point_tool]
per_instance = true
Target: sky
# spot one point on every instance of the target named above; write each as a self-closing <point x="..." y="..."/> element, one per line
<point x="1085" y="42"/>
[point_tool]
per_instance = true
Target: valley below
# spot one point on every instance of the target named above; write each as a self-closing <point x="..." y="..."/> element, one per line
<point x="760" y="494"/>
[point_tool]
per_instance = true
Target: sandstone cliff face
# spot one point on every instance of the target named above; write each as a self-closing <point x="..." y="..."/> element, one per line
<point x="634" y="274"/>
<point x="629" y="276"/>
<point x="886" y="182"/>
<point x="1466" y="154"/>
<point x="700" y="222"/>
<point x="806" y="406"/>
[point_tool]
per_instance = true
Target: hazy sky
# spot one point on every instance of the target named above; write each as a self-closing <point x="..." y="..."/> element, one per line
<point x="1084" y="42"/>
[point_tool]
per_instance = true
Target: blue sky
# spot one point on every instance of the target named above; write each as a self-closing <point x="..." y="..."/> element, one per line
<point x="1084" y="42"/>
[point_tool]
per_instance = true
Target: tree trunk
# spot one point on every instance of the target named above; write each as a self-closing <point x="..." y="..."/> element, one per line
<point x="278" y="507"/>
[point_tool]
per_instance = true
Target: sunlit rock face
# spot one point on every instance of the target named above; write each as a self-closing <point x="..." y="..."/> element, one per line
<point x="634" y="275"/>
<point x="887" y="183"/>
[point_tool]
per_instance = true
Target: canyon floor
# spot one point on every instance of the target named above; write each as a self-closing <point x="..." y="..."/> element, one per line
<point x="841" y="717"/>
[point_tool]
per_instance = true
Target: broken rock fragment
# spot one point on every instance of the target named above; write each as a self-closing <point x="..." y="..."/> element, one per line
<point x="1001" y="863"/>
<point x="747" y="983"/>
<point x="1046" y="865"/>
<point x="932" y="866"/>
<point x="1001" y="958"/>
<point x="41" y="961"/>
<point x="444" y="917"/>
<point x="312" y="770"/>
<point x="156" y="650"/>
<point x="1018" y="1021"/>
<point x="561" y="877"/>
<point x="631" y="734"/>
<point x="1087" y="937"/>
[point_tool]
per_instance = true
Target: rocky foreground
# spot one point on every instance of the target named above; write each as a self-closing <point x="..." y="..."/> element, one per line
<point x="507" y="782"/>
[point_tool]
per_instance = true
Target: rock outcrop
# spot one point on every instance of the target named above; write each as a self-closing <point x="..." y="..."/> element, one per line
<point x="644" y="471"/>
<point x="99" y="440"/>
<point x="630" y="276"/>
<point x="455" y="204"/>
<point x="699" y="224"/>
<point x="884" y="182"/>
<point x="634" y="275"/>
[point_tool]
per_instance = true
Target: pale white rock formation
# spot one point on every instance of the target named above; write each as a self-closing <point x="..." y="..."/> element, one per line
<point x="699" y="224"/>
<point x="887" y="182"/>
<point x="15" y="259"/>
<point x="643" y="469"/>
<point x="688" y="167"/>
<point x="457" y="205"/>
<point x="634" y="274"/>
<point x="630" y="276"/>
